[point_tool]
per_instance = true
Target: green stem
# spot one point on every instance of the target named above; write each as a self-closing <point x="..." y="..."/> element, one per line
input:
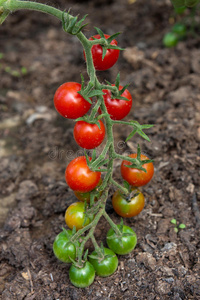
<point x="112" y="224"/>
<point x="119" y="186"/>
<point x="14" y="5"/>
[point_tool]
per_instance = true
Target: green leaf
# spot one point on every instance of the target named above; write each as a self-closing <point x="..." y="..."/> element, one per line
<point x="176" y="229"/>
<point x="182" y="226"/>
<point x="173" y="221"/>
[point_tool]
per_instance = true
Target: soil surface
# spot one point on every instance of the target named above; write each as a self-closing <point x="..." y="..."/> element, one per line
<point x="36" y="144"/>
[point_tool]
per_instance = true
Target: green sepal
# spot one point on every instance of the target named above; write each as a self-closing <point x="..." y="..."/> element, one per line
<point x="137" y="163"/>
<point x="94" y="93"/>
<point x="3" y="13"/>
<point x="113" y="36"/>
<point x="100" y="32"/>
<point x="70" y="24"/>
<point x="139" y="129"/>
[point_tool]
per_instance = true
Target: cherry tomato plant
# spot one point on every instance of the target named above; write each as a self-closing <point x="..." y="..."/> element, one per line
<point x="96" y="108"/>
<point x="184" y="11"/>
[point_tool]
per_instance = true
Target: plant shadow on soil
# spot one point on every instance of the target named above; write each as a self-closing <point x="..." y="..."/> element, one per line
<point x="36" y="145"/>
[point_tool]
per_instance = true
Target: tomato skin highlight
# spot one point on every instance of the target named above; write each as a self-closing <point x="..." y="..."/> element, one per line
<point x="89" y="136"/>
<point x="107" y="266"/>
<point x="137" y="177"/>
<point x="130" y="208"/>
<point x="110" y="58"/>
<point x="79" y="177"/>
<point x="63" y="249"/>
<point x="124" y="244"/>
<point x="69" y="103"/>
<point x="82" y="277"/>
<point x="75" y="216"/>
<point x="117" y="109"/>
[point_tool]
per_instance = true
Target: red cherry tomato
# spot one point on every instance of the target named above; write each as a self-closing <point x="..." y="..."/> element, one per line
<point x="118" y="109"/>
<point x="69" y="103"/>
<point x="110" y="58"/>
<point x="128" y="207"/>
<point x="89" y="136"/>
<point x="137" y="177"/>
<point x="79" y="177"/>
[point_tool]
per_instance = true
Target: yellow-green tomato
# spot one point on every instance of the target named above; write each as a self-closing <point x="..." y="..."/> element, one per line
<point x="104" y="266"/>
<point x="75" y="216"/>
<point x="63" y="248"/>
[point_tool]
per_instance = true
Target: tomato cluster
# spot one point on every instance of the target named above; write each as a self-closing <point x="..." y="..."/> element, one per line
<point x="84" y="181"/>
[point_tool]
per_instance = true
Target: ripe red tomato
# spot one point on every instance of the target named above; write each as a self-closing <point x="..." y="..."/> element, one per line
<point x="79" y="177"/>
<point x="110" y="58"/>
<point x="134" y="176"/>
<point x="75" y="216"/>
<point x="117" y="109"/>
<point x="87" y="135"/>
<point x="69" y="103"/>
<point x="128" y="207"/>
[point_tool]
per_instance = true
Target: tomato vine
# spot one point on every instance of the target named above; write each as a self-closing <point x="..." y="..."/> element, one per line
<point x="110" y="103"/>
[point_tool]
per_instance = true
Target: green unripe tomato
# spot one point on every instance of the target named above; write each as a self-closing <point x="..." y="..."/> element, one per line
<point x="63" y="249"/>
<point x="121" y="245"/>
<point x="179" y="29"/>
<point x="82" y="277"/>
<point x="106" y="266"/>
<point x="170" y="40"/>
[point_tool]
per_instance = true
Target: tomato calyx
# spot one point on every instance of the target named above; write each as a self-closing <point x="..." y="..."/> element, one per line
<point x="119" y="234"/>
<point x="116" y="92"/>
<point x="137" y="163"/>
<point x="105" y="43"/>
<point x="70" y="24"/>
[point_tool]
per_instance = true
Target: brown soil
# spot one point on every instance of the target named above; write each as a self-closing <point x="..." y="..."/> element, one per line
<point x="36" y="144"/>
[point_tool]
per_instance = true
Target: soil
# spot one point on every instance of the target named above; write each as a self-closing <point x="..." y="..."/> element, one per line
<point x="36" y="144"/>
